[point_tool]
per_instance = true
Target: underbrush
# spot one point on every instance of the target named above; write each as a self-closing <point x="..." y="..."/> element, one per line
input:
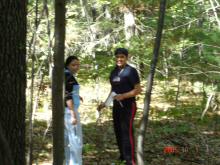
<point x="195" y="140"/>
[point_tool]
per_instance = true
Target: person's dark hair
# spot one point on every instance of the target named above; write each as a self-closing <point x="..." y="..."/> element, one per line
<point x="69" y="60"/>
<point x="121" y="51"/>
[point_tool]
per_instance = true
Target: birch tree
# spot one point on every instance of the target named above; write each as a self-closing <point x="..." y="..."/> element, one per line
<point x="147" y="100"/>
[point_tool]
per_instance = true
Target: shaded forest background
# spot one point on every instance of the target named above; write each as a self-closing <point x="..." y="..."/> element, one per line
<point x="185" y="100"/>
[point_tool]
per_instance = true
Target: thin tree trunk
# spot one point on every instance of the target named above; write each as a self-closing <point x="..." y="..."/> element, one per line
<point x="207" y="105"/>
<point x="57" y="84"/>
<point x="83" y="8"/>
<point x="50" y="38"/>
<point x="129" y="24"/>
<point x="217" y="3"/>
<point x="106" y="11"/>
<point x="144" y="121"/>
<point x="215" y="13"/>
<point x="178" y="90"/>
<point x="34" y="35"/>
<point x="179" y="78"/>
<point x="165" y="65"/>
<point x="30" y="137"/>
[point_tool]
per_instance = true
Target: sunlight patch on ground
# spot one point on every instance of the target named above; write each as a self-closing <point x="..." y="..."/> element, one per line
<point x="165" y="127"/>
<point x="208" y="132"/>
<point x="161" y="106"/>
<point x="44" y="163"/>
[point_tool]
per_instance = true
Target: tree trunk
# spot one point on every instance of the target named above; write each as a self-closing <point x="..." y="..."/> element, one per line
<point x="83" y="8"/>
<point x="129" y="24"/>
<point x="50" y="42"/>
<point x="178" y="90"/>
<point x="106" y="11"/>
<point x="215" y="13"/>
<point x="13" y="81"/>
<point x="143" y="125"/>
<point x="5" y="152"/>
<point x="32" y="53"/>
<point x="57" y="84"/>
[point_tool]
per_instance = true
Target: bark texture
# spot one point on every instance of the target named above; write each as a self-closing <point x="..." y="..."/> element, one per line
<point x="13" y="80"/>
<point x="57" y="84"/>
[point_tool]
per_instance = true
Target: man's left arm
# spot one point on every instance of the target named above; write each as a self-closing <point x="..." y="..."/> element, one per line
<point x="137" y="90"/>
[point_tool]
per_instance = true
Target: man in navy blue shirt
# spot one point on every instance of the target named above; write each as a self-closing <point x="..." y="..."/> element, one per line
<point x="125" y="84"/>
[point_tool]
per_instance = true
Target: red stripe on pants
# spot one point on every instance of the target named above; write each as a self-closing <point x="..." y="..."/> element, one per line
<point x="133" y="109"/>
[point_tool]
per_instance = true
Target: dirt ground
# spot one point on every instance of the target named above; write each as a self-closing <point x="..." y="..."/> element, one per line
<point x="195" y="141"/>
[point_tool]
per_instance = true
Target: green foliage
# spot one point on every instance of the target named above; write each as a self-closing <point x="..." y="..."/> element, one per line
<point x="96" y="68"/>
<point x="189" y="50"/>
<point x="189" y="43"/>
<point x="169" y="94"/>
<point x="87" y="148"/>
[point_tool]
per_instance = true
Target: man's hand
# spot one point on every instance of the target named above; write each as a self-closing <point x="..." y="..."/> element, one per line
<point x="119" y="97"/>
<point x="100" y="106"/>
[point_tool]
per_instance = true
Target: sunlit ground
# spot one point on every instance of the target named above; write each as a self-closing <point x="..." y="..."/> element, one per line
<point x="196" y="141"/>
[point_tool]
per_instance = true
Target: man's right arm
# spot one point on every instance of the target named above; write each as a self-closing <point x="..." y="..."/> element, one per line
<point x="103" y="104"/>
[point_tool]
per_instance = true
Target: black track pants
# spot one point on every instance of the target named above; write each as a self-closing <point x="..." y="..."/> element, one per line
<point x="123" y="118"/>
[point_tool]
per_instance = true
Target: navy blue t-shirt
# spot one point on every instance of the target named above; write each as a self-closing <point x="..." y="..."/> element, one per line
<point x="124" y="80"/>
<point x="69" y="82"/>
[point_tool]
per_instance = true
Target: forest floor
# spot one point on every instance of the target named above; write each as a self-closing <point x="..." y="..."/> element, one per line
<point x="193" y="141"/>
